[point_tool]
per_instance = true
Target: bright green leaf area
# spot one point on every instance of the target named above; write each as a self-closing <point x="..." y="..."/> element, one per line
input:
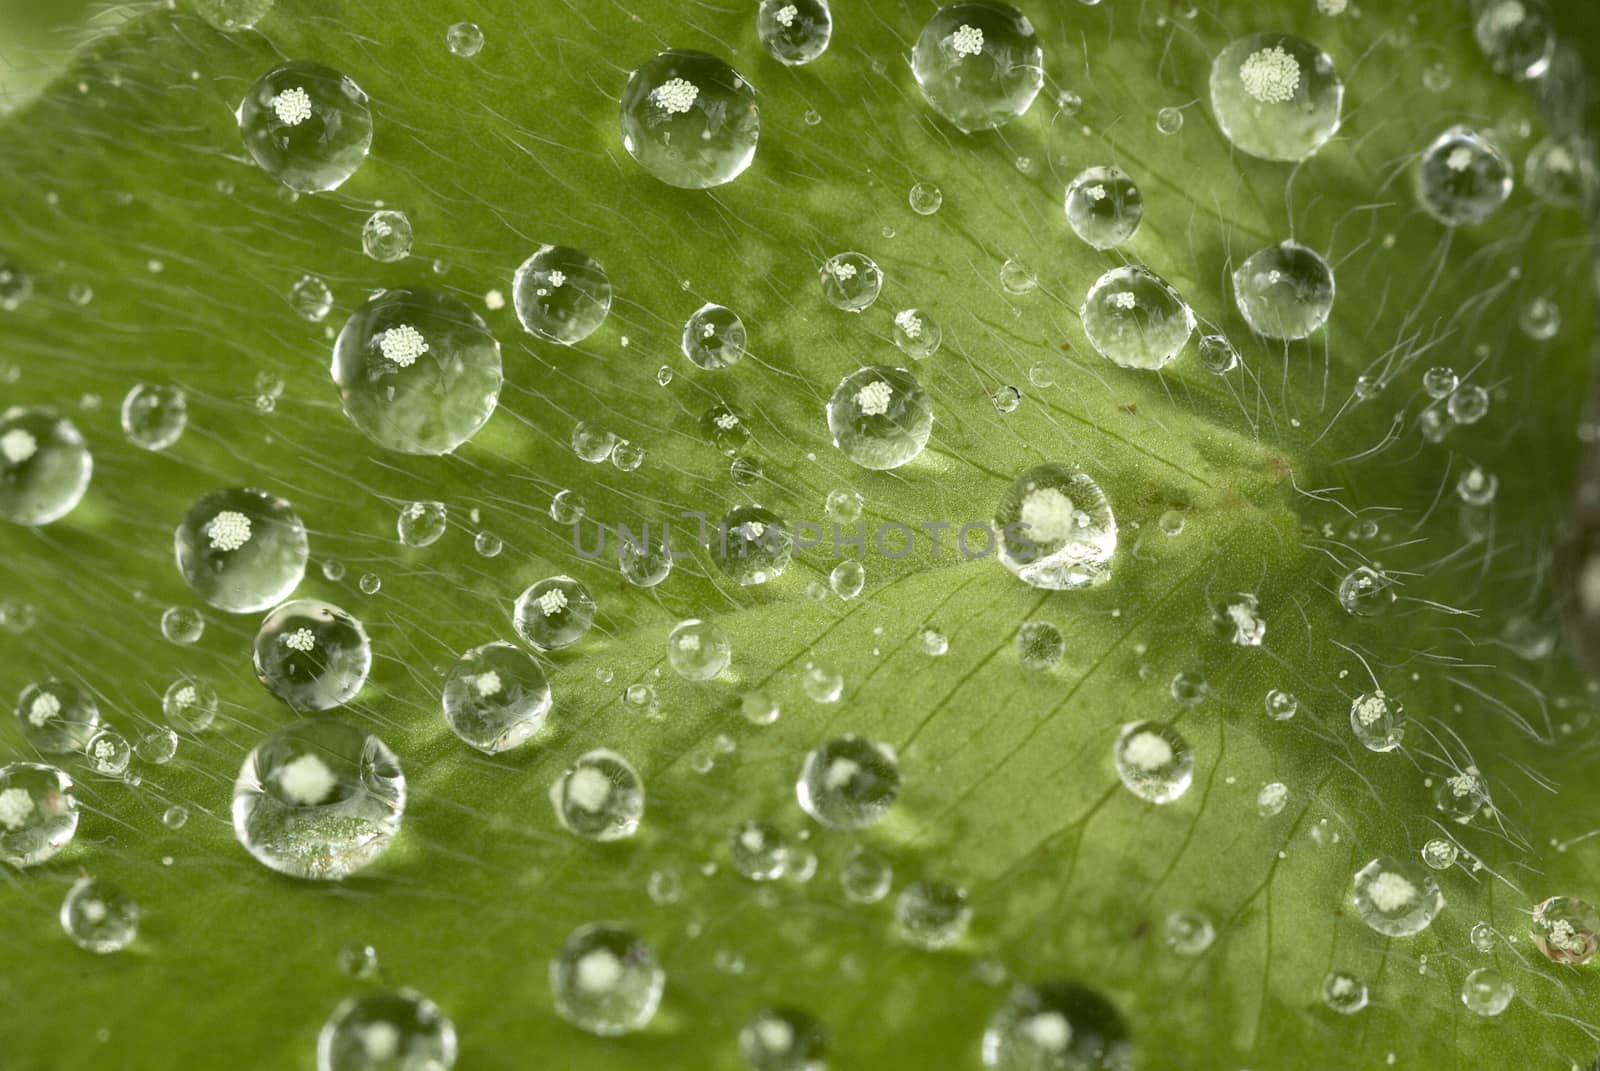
<point x="133" y="163"/>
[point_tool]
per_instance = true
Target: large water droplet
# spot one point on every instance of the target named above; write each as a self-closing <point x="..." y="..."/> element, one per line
<point x="1566" y="929"/>
<point x="1517" y="41"/>
<point x="850" y="281"/>
<point x="554" y="613"/>
<point x="1276" y="96"/>
<point x="880" y="417"/>
<point x="1378" y="720"/>
<point x="1056" y="529"/>
<point x="1104" y="207"/>
<point x="318" y="799"/>
<point x="306" y="125"/>
<point x="154" y="416"/>
<point x="392" y="1030"/>
<point x="783" y="1039"/>
<point x="1395" y="897"/>
<point x="599" y="797"/>
<point x="417" y="371"/>
<point x="1486" y="992"/>
<point x="1135" y="319"/>
<point x="690" y="119"/>
<point x="241" y="550"/>
<point x="464" y="39"/>
<point x="561" y="294"/>
<point x="1344" y="993"/>
<point x="714" y="337"/>
<point x="1284" y="291"/>
<point x="44" y="466"/>
<point x="698" y="650"/>
<point x="758" y="850"/>
<point x="109" y="753"/>
<point x="495" y="697"/>
<point x="38" y="813"/>
<point x="312" y="655"/>
<point x="1462" y="177"/>
<point x="848" y="782"/>
<point x="1154" y="761"/>
<point x="57" y="717"/>
<point x="192" y="704"/>
<point x="99" y="917"/>
<point x="979" y="63"/>
<point x="932" y="914"/>
<point x="794" y="31"/>
<point x="1056" y="1026"/>
<point x="386" y="236"/>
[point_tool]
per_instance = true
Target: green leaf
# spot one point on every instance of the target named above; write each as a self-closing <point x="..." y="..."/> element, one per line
<point x="129" y="176"/>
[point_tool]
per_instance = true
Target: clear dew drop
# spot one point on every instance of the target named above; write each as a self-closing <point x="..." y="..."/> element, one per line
<point x="1154" y="761"/>
<point x="553" y="613"/>
<point x="38" y="813"/>
<point x="44" y="466"/>
<point x="1017" y="278"/>
<point x="99" y="917"/>
<point x="154" y="415"/>
<point x="422" y="524"/>
<point x="1284" y="291"/>
<point x="16" y="285"/>
<point x="925" y="198"/>
<point x="1540" y="319"/>
<point x="689" y="119"/>
<point x="388" y="1030"/>
<point x="568" y="507"/>
<point x="231" y="16"/>
<point x="1378" y="720"/>
<point x="1272" y="799"/>
<point x="821" y="683"/>
<point x="561" y="294"/>
<point x="1057" y="1025"/>
<point x="1366" y="592"/>
<point x="979" y="64"/>
<point x="1169" y="121"/>
<point x="157" y="746"/>
<point x="311" y="299"/>
<point x="1188" y="933"/>
<point x="758" y="850"/>
<point x="1439" y="854"/>
<point x="370" y="583"/>
<point x="1483" y="937"/>
<point x="318" y="799"/>
<point x="358" y="961"/>
<point x="782" y="1038"/>
<point x="714" y="337"/>
<point x="848" y="782"/>
<point x="851" y="281"/>
<point x="1135" y="319"/>
<point x="1056" y="529"/>
<point x="175" y="817"/>
<point x="306" y="125"/>
<point x="312" y="655"/>
<point x="592" y="443"/>
<point x="645" y="559"/>
<point x="495" y="697"/>
<point x="1462" y="177"/>
<point x="417" y="371"/>
<point x="664" y="887"/>
<point x="753" y="545"/>
<point x="57" y="717"/>
<point x="386" y="236"/>
<point x="1276" y="96"/>
<point x="488" y="544"/>
<point x="1468" y="404"/>
<point x="1565" y="929"/>
<point x="794" y="32"/>
<point x="865" y="876"/>
<point x="931" y="914"/>
<point x="190" y="704"/>
<point x="1560" y="173"/>
<point x="758" y="708"/>
<point x="599" y="797"/>
<point x="1395" y="897"/>
<point x="1281" y="705"/>
<point x="1517" y="41"/>
<point x="109" y="753"/>
<point x="464" y="39"/>
<point x="1440" y="382"/>
<point x="1344" y="993"/>
<point x="1040" y="645"/>
<point x="606" y="981"/>
<point x="698" y="650"/>
<point x="917" y="333"/>
<point x="1218" y="355"/>
<point x="1188" y="688"/>
<point x="880" y="417"/>
<point x="1486" y="992"/>
<point x="1104" y="207"/>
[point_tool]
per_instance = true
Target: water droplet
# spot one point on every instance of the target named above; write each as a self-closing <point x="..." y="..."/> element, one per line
<point x="1281" y="705"/>
<point x="1462" y="177"/>
<point x="606" y="981"/>
<point x="1171" y="522"/>
<point x="1378" y="720"/>
<point x="1056" y="1025"/>
<point x="1040" y="645"/>
<point x="464" y="39"/>
<point x="306" y="125"/>
<point x="1154" y="761"/>
<point x="1006" y="399"/>
<point x="1017" y="278"/>
<point x="698" y="650"/>
<point x="979" y="63"/>
<point x="754" y="547"/>
<point x="1344" y="993"/>
<point x="1517" y="41"/>
<point x="880" y="417"/>
<point x="318" y="799"/>
<point x="1188" y="933"/>
<point x="783" y="1039"/>
<point x="1436" y="78"/>
<point x="926" y="199"/>
<point x="1276" y="96"/>
<point x="175" y="817"/>
<point x="488" y="544"/>
<point x="1272" y="799"/>
<point x="626" y="455"/>
<point x="645" y="562"/>
<point x="57" y="717"/>
<point x="312" y="655"/>
<point x="1169" y="121"/>
<point x="1468" y="405"/>
<point x="1041" y="377"/>
<point x="822" y="683"/>
<point x="568" y="507"/>
<point x="16" y="285"/>
<point x="386" y="237"/>
<point x="1439" y="382"/>
<point x="1239" y="619"/>
<point x="310" y="299"/>
<point x="1439" y="854"/>
<point x="758" y="708"/>
<point x="554" y="613"/>
<point x="690" y="119"/>
<point x="794" y="31"/>
<point x="1284" y="291"/>
<point x="850" y="281"/>
<point x="1217" y="355"/>
<point x="1190" y="689"/>
<point x="917" y="334"/>
<point x="392" y="1030"/>
<point x="109" y="753"/>
<point x="38" y="813"/>
<point x="1135" y="319"/>
<point x="592" y="443"/>
<point x="1486" y="992"/>
<point x="664" y="887"/>
<point x="154" y="416"/>
<point x="99" y="917"/>
<point x="1560" y="173"/>
<point x="1056" y="529"/>
<point x="1540" y="319"/>
<point x="231" y="16"/>
<point x="191" y="704"/>
<point x="157" y="746"/>
<point x="1104" y="207"/>
<point x="561" y="294"/>
<point x="847" y="578"/>
<point x="417" y="371"/>
<point x="714" y="337"/>
<point x="1395" y="897"/>
<point x="932" y="914"/>
<point x="495" y="697"/>
<point x="1366" y="592"/>
<point x="1566" y="929"/>
<point x="370" y="583"/>
<point x="865" y="876"/>
<point x="421" y="524"/>
<point x="599" y="797"/>
<point x="44" y="466"/>
<point x="848" y="782"/>
<point x="758" y="850"/>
